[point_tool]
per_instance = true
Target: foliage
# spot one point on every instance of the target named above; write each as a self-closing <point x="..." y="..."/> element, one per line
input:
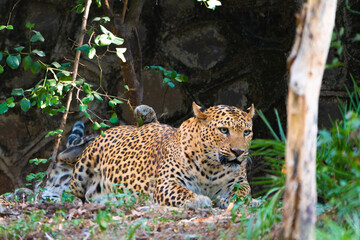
<point x="337" y="45"/>
<point x="49" y="92"/>
<point x="170" y="78"/>
<point x="18" y="229"/>
<point x="18" y="55"/>
<point x="264" y="217"/>
<point x="338" y="160"/>
<point x="273" y="151"/>
<point x="338" y="176"/>
<point x="211" y="4"/>
<point x="67" y="197"/>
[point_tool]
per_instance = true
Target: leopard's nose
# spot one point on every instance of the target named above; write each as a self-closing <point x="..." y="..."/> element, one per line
<point x="237" y="152"/>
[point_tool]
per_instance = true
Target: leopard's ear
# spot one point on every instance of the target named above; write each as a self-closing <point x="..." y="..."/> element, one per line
<point x="251" y="111"/>
<point x="199" y="111"/>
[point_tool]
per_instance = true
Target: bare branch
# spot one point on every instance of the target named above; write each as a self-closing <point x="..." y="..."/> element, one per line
<point x="75" y="73"/>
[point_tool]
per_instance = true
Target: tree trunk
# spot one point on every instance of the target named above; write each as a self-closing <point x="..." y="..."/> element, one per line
<point x="127" y="30"/>
<point x="306" y="62"/>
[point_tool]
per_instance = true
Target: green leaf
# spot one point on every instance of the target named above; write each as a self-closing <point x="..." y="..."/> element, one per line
<point x="87" y="88"/>
<point x="26" y="63"/>
<point x="103" y="224"/>
<point x="98" y="97"/>
<point x="356" y="38"/>
<point x="126" y="87"/>
<point x="65" y="65"/>
<point x="17" y="92"/>
<point x="88" y="98"/>
<point x="50" y="82"/>
<point x="37" y="37"/>
<point x="38" y="52"/>
<point x="56" y="132"/>
<point x="62" y="109"/>
<point x="91" y="53"/>
<point x="2" y="27"/>
<point x="87" y="115"/>
<point x="104" y="125"/>
<point x="104" y="30"/>
<point x="96" y="126"/>
<point x="3" y="108"/>
<point x="120" y="53"/>
<point x="78" y="82"/>
<point x="29" y="25"/>
<point x="98" y="3"/>
<point x="10" y="102"/>
<point x="80" y="9"/>
<point x="117" y="41"/>
<point x="13" y="61"/>
<point x="114" y="119"/>
<point x="90" y="31"/>
<point x="9" y="27"/>
<point x="35" y="67"/>
<point x="173" y="74"/>
<point x="66" y="73"/>
<point x="25" y="104"/>
<point x="166" y="80"/>
<point x="38" y="161"/>
<point x="19" y="49"/>
<point x="172" y="85"/>
<point x="82" y="107"/>
<point x="1" y="56"/>
<point x="341" y="32"/>
<point x="117" y="101"/>
<point x="84" y="47"/>
<point x="56" y="64"/>
<point x="102" y="40"/>
<point x="105" y="19"/>
<point x="60" y="88"/>
<point x="1" y="69"/>
<point x="184" y="78"/>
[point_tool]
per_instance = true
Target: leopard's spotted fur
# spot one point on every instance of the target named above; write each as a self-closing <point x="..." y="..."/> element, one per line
<point x="196" y="164"/>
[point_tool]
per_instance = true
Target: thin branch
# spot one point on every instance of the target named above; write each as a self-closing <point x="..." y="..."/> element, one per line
<point x="124" y="12"/>
<point x="9" y="19"/>
<point x="75" y="73"/>
<point x="107" y="9"/>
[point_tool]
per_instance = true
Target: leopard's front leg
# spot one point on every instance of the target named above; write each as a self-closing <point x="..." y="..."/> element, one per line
<point x="242" y="190"/>
<point x="171" y="193"/>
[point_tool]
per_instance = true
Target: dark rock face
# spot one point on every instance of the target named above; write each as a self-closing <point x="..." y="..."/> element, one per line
<point x="235" y="55"/>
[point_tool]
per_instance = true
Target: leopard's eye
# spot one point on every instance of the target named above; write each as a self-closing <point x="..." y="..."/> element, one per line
<point x="224" y="130"/>
<point x="247" y="132"/>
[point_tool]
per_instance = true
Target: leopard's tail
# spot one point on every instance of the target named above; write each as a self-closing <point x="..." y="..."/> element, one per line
<point x="77" y="132"/>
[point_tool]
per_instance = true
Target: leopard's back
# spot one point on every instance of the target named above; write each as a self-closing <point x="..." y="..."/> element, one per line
<point x="126" y="156"/>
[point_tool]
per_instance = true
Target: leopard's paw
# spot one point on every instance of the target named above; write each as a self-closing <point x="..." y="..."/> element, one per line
<point x="199" y="201"/>
<point x="223" y="203"/>
<point x="255" y="203"/>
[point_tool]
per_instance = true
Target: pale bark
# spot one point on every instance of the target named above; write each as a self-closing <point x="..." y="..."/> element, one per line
<point x="306" y="62"/>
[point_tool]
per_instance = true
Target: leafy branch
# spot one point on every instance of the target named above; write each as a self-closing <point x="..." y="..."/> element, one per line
<point x="74" y="76"/>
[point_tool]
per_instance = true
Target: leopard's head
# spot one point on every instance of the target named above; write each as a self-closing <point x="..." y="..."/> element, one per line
<point x="225" y="133"/>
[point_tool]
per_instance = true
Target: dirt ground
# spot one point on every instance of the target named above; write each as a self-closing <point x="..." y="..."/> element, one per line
<point x="121" y="220"/>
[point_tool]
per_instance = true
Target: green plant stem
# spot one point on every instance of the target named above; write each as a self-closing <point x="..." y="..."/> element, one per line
<point x="12" y="12"/>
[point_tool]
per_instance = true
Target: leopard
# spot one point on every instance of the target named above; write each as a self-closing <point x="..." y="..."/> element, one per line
<point x="59" y="177"/>
<point x="195" y="165"/>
